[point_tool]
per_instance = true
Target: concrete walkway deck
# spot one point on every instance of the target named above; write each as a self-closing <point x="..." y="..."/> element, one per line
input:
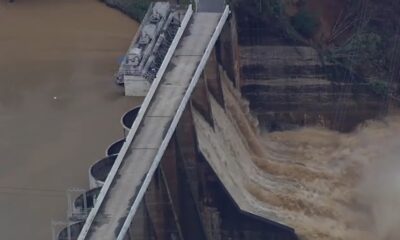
<point x="152" y="130"/>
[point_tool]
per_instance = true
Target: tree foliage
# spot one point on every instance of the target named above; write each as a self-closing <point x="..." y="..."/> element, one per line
<point x="363" y="48"/>
<point x="273" y="8"/>
<point x="305" y="22"/>
<point x="379" y="88"/>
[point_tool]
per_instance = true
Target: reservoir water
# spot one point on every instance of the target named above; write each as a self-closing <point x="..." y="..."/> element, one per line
<point x="59" y="107"/>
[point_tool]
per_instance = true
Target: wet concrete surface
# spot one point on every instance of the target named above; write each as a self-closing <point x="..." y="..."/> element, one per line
<point x="210" y="5"/>
<point x="59" y="107"/>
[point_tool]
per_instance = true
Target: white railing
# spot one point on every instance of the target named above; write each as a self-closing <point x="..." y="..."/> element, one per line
<point x="174" y="123"/>
<point x="136" y="124"/>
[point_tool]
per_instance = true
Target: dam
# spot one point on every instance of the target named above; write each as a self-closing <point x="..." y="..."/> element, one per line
<point x="130" y="194"/>
<point x="192" y="164"/>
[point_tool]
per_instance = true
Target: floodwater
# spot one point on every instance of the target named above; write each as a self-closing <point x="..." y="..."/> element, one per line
<point x="325" y="184"/>
<point x="59" y="107"/>
<point x="335" y="186"/>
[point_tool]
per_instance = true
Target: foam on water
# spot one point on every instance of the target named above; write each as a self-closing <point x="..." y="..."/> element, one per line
<point x="324" y="184"/>
<point x="329" y="185"/>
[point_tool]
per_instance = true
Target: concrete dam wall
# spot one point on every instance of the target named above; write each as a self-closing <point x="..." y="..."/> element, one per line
<point x="188" y="197"/>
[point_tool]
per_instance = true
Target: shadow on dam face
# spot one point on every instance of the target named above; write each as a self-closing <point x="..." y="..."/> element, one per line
<point x="236" y="224"/>
<point x="205" y="208"/>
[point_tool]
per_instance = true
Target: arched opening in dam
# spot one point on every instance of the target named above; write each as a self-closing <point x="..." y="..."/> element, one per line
<point x="99" y="171"/>
<point x="128" y="119"/>
<point x="71" y="232"/>
<point x="84" y="202"/>
<point x="115" y="147"/>
<point x="59" y="105"/>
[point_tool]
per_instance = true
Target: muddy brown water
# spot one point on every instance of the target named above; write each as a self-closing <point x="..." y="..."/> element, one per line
<point x="59" y="108"/>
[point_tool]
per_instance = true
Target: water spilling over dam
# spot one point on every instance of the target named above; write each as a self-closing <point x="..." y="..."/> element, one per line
<point x="340" y="185"/>
<point x="325" y="184"/>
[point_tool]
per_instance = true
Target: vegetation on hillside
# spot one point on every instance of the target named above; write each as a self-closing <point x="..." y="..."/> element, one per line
<point x="363" y="36"/>
<point x="365" y="39"/>
<point x="305" y="23"/>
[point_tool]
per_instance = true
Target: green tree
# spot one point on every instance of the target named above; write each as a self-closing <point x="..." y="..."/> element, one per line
<point x="361" y="48"/>
<point x="379" y="88"/>
<point x="305" y="23"/>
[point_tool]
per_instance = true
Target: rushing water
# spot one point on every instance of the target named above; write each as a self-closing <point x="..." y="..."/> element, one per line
<point x="59" y="108"/>
<point x="326" y="185"/>
<point x="334" y="186"/>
